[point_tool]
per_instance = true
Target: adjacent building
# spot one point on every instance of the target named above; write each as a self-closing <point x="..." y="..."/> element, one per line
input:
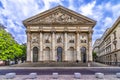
<point x="107" y="47"/>
<point x="59" y="34"/>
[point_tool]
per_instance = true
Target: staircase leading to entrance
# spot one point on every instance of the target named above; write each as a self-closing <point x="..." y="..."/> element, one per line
<point x="52" y="64"/>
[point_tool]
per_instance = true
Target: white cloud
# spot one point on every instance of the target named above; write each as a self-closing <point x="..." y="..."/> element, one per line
<point x="21" y="38"/>
<point x="71" y="4"/>
<point x="87" y="9"/>
<point x="107" y="6"/>
<point x="116" y="10"/>
<point x="108" y="21"/>
<point x="47" y="3"/>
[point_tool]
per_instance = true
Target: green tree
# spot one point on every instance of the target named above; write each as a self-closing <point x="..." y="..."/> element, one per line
<point x="9" y="48"/>
<point x="6" y="41"/>
<point x="94" y="56"/>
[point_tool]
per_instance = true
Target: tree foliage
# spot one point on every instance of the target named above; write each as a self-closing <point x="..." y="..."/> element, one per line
<point x="9" y="48"/>
<point x="94" y="56"/>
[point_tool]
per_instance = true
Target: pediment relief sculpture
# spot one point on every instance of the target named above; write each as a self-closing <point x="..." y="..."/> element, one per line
<point x="59" y="17"/>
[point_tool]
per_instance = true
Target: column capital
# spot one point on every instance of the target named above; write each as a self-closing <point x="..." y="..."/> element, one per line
<point x="77" y="32"/>
<point x="90" y="31"/>
<point x="53" y="31"/>
<point x="40" y="31"/>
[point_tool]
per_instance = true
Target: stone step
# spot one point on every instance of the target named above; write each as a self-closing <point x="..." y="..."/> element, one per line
<point x="52" y="64"/>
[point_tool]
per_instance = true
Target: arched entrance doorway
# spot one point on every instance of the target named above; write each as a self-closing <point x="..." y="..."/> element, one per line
<point x="59" y="54"/>
<point x="35" y="54"/>
<point x="83" y="54"/>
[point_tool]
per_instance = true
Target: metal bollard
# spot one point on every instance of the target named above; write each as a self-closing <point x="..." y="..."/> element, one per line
<point x="10" y="75"/>
<point x="118" y="75"/>
<point x="55" y="75"/>
<point x="99" y="75"/>
<point x="32" y="75"/>
<point x="77" y="75"/>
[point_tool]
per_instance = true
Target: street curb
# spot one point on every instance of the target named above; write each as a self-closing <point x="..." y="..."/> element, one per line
<point x="58" y="67"/>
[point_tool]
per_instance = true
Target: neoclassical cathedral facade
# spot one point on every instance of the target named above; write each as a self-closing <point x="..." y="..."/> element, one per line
<point x="59" y="34"/>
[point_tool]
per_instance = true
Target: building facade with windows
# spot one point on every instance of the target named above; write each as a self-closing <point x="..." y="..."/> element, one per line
<point x="109" y="45"/>
<point x="59" y="34"/>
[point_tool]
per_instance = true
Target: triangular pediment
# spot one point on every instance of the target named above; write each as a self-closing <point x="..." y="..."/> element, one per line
<point x="59" y="15"/>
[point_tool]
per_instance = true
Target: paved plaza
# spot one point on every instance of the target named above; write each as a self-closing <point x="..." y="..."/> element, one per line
<point x="65" y="73"/>
<point x="61" y="77"/>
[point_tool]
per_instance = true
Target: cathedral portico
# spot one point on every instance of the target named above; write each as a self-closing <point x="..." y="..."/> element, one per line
<point x="59" y="34"/>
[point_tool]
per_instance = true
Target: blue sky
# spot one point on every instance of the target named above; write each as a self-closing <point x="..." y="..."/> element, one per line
<point x="13" y="12"/>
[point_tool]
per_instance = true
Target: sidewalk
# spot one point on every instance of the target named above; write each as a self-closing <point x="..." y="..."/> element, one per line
<point x="62" y="77"/>
<point x="93" y="65"/>
<point x="56" y="67"/>
<point x="96" y="64"/>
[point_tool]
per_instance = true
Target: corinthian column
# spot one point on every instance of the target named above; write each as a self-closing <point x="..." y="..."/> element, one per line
<point x="78" y="47"/>
<point x="53" y="47"/>
<point x="90" y="47"/>
<point x="28" y="47"/>
<point x="41" y="48"/>
<point x="65" y="36"/>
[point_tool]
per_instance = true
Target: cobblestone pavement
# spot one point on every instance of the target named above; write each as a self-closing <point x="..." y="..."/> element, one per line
<point x="61" y="77"/>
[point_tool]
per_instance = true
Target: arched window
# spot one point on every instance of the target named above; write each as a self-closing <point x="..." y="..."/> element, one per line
<point x="59" y="54"/>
